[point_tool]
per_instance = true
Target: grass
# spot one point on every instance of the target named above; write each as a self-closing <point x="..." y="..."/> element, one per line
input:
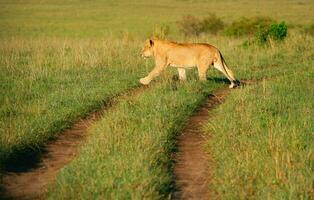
<point x="254" y="62"/>
<point x="263" y="147"/>
<point x="128" y="153"/>
<point x="134" y="154"/>
<point x="77" y="18"/>
<point x="46" y="86"/>
<point x="60" y="60"/>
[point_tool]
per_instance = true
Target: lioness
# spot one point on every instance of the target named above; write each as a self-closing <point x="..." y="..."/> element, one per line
<point x="184" y="56"/>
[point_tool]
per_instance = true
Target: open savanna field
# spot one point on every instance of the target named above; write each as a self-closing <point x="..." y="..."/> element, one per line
<point x="60" y="61"/>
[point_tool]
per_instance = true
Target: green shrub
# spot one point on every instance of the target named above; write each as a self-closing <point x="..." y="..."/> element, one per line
<point x="247" y="26"/>
<point x="190" y="25"/>
<point x="276" y="31"/>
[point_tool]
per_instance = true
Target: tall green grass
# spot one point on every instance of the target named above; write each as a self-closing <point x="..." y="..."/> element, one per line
<point x="128" y="153"/>
<point x="262" y="140"/>
<point x="132" y="144"/>
<point x="47" y="85"/>
<point x="60" y="60"/>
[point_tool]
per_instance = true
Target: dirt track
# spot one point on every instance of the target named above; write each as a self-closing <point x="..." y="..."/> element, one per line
<point x="192" y="170"/>
<point x="32" y="182"/>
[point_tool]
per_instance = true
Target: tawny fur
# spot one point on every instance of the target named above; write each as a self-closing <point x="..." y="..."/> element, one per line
<point x="182" y="56"/>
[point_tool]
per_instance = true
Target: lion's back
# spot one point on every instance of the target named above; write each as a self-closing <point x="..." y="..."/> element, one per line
<point x="185" y="54"/>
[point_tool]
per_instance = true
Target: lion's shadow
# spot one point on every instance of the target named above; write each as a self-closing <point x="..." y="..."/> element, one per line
<point x="219" y="80"/>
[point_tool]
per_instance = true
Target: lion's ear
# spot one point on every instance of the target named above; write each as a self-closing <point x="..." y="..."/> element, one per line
<point x="151" y="42"/>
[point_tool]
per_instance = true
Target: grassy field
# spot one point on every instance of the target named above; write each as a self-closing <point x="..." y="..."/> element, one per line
<point x="156" y="122"/>
<point x="60" y="60"/>
<point x="128" y="155"/>
<point x="263" y="147"/>
<point x="46" y="86"/>
<point x="77" y="18"/>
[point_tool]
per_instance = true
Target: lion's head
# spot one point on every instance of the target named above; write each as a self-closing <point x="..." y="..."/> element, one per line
<point x="148" y="49"/>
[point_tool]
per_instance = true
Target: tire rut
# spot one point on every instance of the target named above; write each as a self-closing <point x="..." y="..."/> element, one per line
<point x="32" y="182"/>
<point x="192" y="170"/>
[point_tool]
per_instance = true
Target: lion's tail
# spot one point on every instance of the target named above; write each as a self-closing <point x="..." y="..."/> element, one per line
<point x="228" y="72"/>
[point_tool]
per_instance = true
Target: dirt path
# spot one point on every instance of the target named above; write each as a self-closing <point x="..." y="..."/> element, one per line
<point x="32" y="182"/>
<point x="191" y="170"/>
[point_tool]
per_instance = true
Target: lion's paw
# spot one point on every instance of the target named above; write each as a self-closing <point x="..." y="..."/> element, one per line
<point x="144" y="81"/>
<point x="232" y="85"/>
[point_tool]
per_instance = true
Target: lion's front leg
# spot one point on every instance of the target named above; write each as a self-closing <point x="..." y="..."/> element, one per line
<point x="145" y="81"/>
<point x="154" y="73"/>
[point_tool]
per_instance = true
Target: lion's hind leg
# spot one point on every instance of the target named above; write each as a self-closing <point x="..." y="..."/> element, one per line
<point x="182" y="74"/>
<point x="202" y="70"/>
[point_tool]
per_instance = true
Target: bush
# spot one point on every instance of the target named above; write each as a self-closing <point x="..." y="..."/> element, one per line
<point x="248" y="26"/>
<point x="190" y="25"/>
<point x="211" y="24"/>
<point x="263" y="28"/>
<point x="276" y="31"/>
